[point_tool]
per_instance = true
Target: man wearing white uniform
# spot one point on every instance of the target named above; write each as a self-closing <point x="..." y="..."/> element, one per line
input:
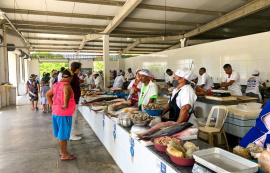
<point x="130" y="75"/>
<point x="89" y="78"/>
<point x="100" y="72"/>
<point x="119" y="80"/>
<point x="253" y="85"/>
<point x="98" y="81"/>
<point x="231" y="80"/>
<point x="182" y="100"/>
<point x="149" y="90"/>
<point x="207" y="82"/>
<point x="169" y="79"/>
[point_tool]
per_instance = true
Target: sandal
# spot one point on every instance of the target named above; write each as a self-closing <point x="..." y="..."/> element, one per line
<point x="36" y="108"/>
<point x="44" y="112"/>
<point x="32" y="108"/>
<point x="70" y="158"/>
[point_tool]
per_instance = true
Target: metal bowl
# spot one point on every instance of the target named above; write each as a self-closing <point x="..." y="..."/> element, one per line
<point x="141" y="123"/>
<point x="125" y="122"/>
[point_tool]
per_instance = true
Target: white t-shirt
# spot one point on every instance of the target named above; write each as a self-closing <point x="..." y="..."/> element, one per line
<point x="207" y="81"/>
<point x="89" y="79"/>
<point x="60" y="76"/>
<point x="186" y="96"/>
<point x="169" y="78"/>
<point x="151" y="90"/>
<point x="235" y="87"/>
<point x="99" y="82"/>
<point x="139" y="86"/>
<point x="130" y="76"/>
<point x="119" y="81"/>
<point x="253" y="84"/>
<point x="51" y="82"/>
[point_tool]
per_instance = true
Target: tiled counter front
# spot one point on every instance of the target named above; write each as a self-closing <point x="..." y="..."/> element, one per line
<point x="130" y="155"/>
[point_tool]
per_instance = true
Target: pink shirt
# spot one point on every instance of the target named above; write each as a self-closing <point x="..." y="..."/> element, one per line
<point x="58" y="101"/>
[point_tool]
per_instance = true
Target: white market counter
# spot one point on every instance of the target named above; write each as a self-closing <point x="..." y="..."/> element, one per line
<point x="129" y="154"/>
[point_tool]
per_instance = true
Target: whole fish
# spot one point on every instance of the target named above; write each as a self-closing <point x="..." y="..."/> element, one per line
<point x="157" y="127"/>
<point x="187" y="132"/>
<point x="169" y="130"/>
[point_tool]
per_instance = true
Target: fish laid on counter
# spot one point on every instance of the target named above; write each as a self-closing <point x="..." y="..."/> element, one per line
<point x="187" y="132"/>
<point x="169" y="130"/>
<point x="128" y="109"/>
<point x="157" y="127"/>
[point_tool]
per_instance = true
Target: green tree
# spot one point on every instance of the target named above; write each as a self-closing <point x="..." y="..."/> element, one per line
<point x="98" y="65"/>
<point x="47" y="67"/>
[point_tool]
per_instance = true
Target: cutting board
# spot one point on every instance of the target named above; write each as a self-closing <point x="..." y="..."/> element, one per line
<point x="245" y="98"/>
<point x="221" y="98"/>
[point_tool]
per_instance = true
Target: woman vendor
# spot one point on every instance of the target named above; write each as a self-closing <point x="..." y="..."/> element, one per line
<point x="260" y="133"/>
<point x="182" y="100"/>
<point x="134" y="88"/>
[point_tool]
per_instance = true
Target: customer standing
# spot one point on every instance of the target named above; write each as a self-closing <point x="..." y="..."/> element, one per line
<point x="60" y="73"/>
<point x="63" y="106"/>
<point x="130" y="75"/>
<point x="75" y="84"/>
<point x="33" y="88"/>
<point x="44" y="89"/>
<point x="89" y="78"/>
<point x="231" y="80"/>
<point x="207" y="82"/>
<point x="134" y="89"/>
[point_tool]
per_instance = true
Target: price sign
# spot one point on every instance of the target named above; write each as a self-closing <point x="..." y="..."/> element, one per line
<point x="132" y="151"/>
<point x="103" y="120"/>
<point x="161" y="167"/>
<point x="114" y="132"/>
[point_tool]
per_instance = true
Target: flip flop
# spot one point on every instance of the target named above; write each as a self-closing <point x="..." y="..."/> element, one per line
<point x="32" y="108"/>
<point x="70" y="158"/>
<point x="44" y="112"/>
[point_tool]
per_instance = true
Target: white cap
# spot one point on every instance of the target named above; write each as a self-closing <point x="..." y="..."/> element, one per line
<point x="122" y="72"/>
<point x="138" y="70"/>
<point x="255" y="72"/>
<point x="145" y="72"/>
<point x="193" y="76"/>
<point x="95" y="73"/>
<point x="100" y="71"/>
<point x="187" y="74"/>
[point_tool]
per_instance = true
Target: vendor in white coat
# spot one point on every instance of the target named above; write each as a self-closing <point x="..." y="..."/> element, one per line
<point x="98" y="81"/>
<point x="182" y="100"/>
<point x="231" y="80"/>
<point x="253" y="85"/>
<point x="119" y="80"/>
<point x="89" y="78"/>
<point x="149" y="90"/>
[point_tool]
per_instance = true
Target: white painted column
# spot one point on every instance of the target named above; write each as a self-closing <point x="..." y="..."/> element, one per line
<point x="121" y="63"/>
<point x="106" y="60"/>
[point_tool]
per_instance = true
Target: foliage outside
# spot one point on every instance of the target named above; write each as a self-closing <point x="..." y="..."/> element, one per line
<point x="49" y="66"/>
<point x="46" y="55"/>
<point x="98" y="65"/>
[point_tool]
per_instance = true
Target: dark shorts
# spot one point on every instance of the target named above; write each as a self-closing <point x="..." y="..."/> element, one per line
<point x="62" y="126"/>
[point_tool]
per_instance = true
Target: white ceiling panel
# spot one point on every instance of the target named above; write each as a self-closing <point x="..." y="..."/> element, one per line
<point x="53" y="41"/>
<point x="25" y="4"/>
<point x="53" y="35"/>
<point x="108" y="10"/>
<point x="211" y="5"/>
<point x="26" y="17"/>
<point x="83" y="8"/>
<point x="59" y="6"/>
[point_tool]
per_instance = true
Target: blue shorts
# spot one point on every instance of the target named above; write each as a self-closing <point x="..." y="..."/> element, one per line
<point x="62" y="126"/>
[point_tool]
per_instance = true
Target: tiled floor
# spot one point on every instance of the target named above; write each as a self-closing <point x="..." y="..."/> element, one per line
<point x="27" y="145"/>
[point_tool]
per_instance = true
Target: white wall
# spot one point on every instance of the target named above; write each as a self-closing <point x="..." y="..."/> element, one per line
<point x="245" y="54"/>
<point x="85" y="63"/>
<point x="33" y="66"/>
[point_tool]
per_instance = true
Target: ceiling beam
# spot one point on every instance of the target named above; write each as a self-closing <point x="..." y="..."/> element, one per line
<point x="191" y="42"/>
<point x="89" y="16"/>
<point x="127" y="8"/>
<point x="241" y="12"/>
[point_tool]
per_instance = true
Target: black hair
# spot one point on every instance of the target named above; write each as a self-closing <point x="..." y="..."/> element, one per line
<point x="66" y="72"/>
<point x="202" y="68"/>
<point x="62" y="69"/>
<point x="168" y="70"/>
<point x="45" y="82"/>
<point x="75" y="66"/>
<point x="58" y="72"/>
<point x="227" y="66"/>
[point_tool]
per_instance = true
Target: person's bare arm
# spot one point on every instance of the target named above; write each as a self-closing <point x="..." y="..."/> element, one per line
<point x="38" y="87"/>
<point x="264" y="84"/>
<point x="225" y="84"/>
<point x="167" y="107"/>
<point x="26" y="89"/>
<point x="200" y="92"/>
<point x="183" y="113"/>
<point x="202" y="85"/>
<point x="49" y="96"/>
<point x="67" y="94"/>
<point x="151" y="100"/>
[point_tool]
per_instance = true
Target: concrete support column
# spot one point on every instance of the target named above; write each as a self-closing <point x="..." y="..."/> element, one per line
<point x="121" y="63"/>
<point x="106" y="60"/>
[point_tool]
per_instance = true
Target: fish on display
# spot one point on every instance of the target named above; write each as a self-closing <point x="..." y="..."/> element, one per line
<point x="157" y="127"/>
<point x="169" y="130"/>
<point x="187" y="132"/>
